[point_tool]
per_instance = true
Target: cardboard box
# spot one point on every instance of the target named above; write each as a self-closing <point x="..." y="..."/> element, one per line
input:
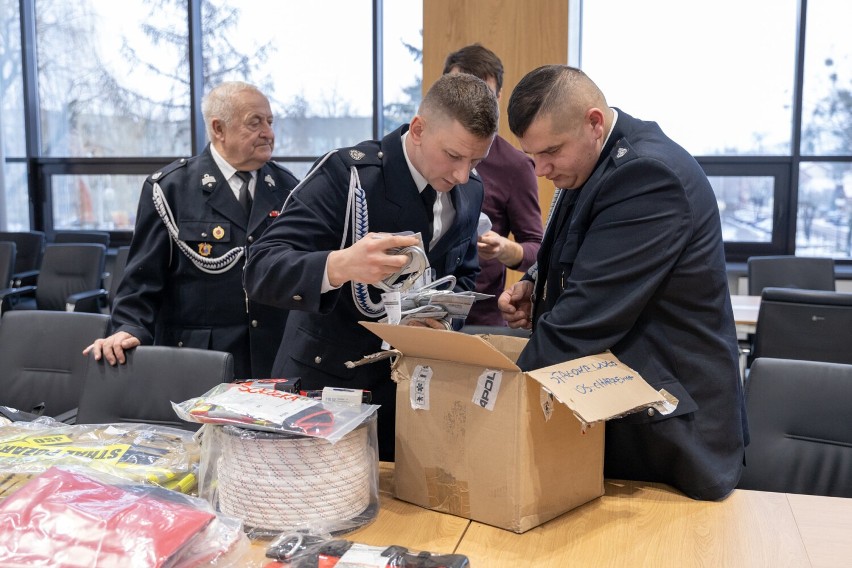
<point x="478" y="438"/>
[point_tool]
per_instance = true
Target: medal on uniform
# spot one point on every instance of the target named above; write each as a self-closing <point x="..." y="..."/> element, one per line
<point x="204" y="249"/>
<point x="208" y="180"/>
<point x="218" y="232"/>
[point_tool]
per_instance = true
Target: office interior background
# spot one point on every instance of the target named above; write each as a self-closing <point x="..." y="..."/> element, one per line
<point x="97" y="94"/>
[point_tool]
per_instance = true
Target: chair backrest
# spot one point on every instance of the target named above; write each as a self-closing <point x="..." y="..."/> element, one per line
<point x="42" y="361"/>
<point x="8" y="251"/>
<point x="800" y="423"/>
<point x="117" y="272"/>
<point x="65" y="237"/>
<point x="787" y="271"/>
<point x="68" y="269"/>
<point x="30" y="248"/>
<point x="804" y="324"/>
<point x="142" y="389"/>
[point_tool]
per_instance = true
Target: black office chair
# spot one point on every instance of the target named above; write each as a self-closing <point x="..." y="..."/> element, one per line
<point x="807" y="325"/>
<point x="800" y="422"/>
<point x="43" y="367"/>
<point x="69" y="279"/>
<point x="29" y="251"/>
<point x="142" y="389"/>
<point x="116" y="273"/>
<point x="76" y="237"/>
<point x="786" y="271"/>
<point x="8" y="251"/>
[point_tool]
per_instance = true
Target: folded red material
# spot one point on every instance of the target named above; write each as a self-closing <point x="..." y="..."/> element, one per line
<point x="66" y="519"/>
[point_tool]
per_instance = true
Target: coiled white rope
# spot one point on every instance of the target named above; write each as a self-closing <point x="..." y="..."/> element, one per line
<point x="278" y="483"/>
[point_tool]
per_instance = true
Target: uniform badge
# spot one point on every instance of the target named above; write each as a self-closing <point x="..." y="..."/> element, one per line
<point x="356" y="154"/>
<point x="621" y="152"/>
<point x="204" y="249"/>
<point x="156" y="176"/>
<point x="218" y="233"/>
<point x="274" y="213"/>
<point x="269" y="181"/>
<point x="208" y="180"/>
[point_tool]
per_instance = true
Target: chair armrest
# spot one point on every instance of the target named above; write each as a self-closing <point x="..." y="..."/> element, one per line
<point x="67" y="417"/>
<point x="9" y="294"/>
<point x="26" y="278"/>
<point x="88" y="301"/>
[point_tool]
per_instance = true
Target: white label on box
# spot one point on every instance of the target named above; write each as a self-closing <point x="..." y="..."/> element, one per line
<point x="419" y="388"/>
<point x="487" y="387"/>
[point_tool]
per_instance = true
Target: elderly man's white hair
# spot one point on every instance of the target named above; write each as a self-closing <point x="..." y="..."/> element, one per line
<point x="218" y="103"/>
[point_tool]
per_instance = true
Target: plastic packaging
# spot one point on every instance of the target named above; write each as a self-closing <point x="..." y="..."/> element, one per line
<point x="72" y="518"/>
<point x="143" y="453"/>
<point x="309" y="550"/>
<point x="275" y="482"/>
<point x="270" y="410"/>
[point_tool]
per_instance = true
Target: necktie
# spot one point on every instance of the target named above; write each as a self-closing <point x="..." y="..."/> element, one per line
<point x="245" y="194"/>
<point x="429" y="195"/>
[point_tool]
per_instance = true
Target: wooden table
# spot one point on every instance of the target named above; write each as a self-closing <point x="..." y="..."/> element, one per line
<point x="633" y="524"/>
<point x="745" y="313"/>
<point x="647" y="524"/>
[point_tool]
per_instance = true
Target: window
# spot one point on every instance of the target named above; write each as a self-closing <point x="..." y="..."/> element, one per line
<point x="119" y="86"/>
<point x="122" y="93"/>
<point x="726" y="82"/>
<point x="402" y="67"/>
<point x="318" y="77"/>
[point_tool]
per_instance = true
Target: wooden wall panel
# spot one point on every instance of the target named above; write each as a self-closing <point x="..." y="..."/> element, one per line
<point x="523" y="33"/>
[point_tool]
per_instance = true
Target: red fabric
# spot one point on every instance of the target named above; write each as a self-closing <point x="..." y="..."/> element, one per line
<point x="66" y="519"/>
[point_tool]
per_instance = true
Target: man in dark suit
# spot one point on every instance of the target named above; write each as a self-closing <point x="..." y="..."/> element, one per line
<point x="183" y="282"/>
<point x="632" y="261"/>
<point x="336" y="231"/>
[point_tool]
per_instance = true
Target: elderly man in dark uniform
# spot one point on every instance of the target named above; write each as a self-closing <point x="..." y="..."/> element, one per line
<point x="334" y="237"/>
<point x="632" y="261"/>
<point x="183" y="282"/>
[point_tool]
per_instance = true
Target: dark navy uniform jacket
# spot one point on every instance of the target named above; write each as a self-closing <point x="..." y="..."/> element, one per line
<point x="286" y="267"/>
<point x="633" y="262"/>
<point x="165" y="299"/>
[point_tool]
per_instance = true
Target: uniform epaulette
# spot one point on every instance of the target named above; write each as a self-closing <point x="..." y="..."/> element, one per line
<point x="368" y="154"/>
<point x="623" y="152"/>
<point x="160" y="174"/>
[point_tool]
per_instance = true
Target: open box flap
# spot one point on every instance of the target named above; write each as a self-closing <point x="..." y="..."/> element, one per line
<point x="598" y="387"/>
<point x="440" y="345"/>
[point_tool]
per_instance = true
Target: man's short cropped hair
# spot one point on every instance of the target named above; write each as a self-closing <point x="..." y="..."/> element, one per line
<point x="560" y="91"/>
<point x="464" y="98"/>
<point x="476" y="60"/>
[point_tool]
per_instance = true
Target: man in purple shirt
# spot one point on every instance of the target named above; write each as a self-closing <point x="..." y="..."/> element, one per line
<point x="511" y="197"/>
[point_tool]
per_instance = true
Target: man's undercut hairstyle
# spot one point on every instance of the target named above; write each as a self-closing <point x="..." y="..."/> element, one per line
<point x="464" y="98"/>
<point x="476" y="60"/>
<point x="562" y="92"/>
<point x="219" y="103"/>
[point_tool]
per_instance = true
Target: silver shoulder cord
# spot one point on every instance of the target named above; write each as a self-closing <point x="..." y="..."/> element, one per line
<point x="533" y="270"/>
<point x="356" y="216"/>
<point x="209" y="265"/>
